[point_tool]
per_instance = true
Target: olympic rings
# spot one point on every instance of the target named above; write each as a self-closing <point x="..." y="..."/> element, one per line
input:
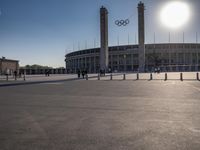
<point x="122" y="22"/>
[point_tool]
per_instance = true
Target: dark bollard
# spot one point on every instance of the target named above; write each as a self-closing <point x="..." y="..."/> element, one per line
<point x="124" y="77"/>
<point x="181" y="76"/>
<point x="137" y="76"/>
<point x="98" y="76"/>
<point x="165" y="76"/>
<point x="151" y="76"/>
<point x="197" y="76"/>
<point x="111" y="77"/>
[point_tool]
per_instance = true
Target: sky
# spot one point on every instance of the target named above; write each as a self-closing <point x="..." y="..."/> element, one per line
<point x="43" y="31"/>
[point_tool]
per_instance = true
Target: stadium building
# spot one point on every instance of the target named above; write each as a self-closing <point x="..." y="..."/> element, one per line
<point x="131" y="58"/>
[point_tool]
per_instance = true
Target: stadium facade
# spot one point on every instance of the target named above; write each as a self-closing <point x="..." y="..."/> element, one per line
<point x="130" y="58"/>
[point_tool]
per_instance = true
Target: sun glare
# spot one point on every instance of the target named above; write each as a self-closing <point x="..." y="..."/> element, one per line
<point x="175" y="14"/>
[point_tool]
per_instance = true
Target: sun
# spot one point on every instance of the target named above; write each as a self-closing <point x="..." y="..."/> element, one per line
<point x="175" y="14"/>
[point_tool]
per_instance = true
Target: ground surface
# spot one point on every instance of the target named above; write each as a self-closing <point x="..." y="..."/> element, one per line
<point x="101" y="115"/>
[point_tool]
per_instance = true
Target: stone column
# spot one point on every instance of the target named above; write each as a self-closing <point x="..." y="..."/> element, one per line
<point x="170" y="61"/>
<point x="90" y="65"/>
<point x="104" y="38"/>
<point x="184" y="60"/>
<point x="141" y="36"/>
<point x="78" y="64"/>
<point x="132" y="62"/>
<point x="177" y="62"/>
<point x="95" y="64"/>
<point x="85" y="63"/>
<point x="190" y="67"/>
<point x="197" y="61"/>
<point x="111" y="63"/>
<point x="118" y="63"/>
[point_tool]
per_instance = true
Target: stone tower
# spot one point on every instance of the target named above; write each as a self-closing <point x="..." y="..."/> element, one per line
<point x="104" y="38"/>
<point x="141" y="36"/>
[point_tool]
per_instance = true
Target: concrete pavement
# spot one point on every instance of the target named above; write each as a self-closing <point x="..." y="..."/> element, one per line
<point x="96" y="115"/>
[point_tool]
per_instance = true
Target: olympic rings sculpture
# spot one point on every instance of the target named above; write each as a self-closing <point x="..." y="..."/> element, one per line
<point x="122" y="22"/>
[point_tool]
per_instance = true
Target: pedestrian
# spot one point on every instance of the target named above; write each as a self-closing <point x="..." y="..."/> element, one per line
<point x="100" y="72"/>
<point x="20" y="74"/>
<point x="15" y="74"/>
<point x="79" y="73"/>
<point x="83" y="74"/>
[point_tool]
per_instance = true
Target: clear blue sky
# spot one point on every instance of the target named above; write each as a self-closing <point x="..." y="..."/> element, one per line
<point x="42" y="31"/>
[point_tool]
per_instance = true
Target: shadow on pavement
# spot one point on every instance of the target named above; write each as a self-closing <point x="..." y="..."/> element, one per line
<point x="36" y="82"/>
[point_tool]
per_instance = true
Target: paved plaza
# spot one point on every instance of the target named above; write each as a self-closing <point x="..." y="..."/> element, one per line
<point x="101" y="115"/>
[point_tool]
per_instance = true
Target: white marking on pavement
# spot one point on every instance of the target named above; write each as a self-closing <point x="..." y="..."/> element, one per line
<point x="194" y="87"/>
<point x="194" y="130"/>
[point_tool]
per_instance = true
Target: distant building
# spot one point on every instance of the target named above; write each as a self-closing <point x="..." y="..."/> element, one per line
<point x="124" y="58"/>
<point x="131" y="58"/>
<point x="8" y="66"/>
<point x="38" y="69"/>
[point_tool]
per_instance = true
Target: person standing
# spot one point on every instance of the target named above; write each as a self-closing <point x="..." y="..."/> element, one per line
<point x="15" y="74"/>
<point x="83" y="74"/>
<point x="79" y="73"/>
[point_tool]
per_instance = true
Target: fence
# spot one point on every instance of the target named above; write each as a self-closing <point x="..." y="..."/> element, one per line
<point x="148" y="76"/>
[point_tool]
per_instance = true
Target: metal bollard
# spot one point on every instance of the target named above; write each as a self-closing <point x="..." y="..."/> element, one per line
<point x="111" y="77"/>
<point x="151" y="76"/>
<point x="165" y="76"/>
<point x="86" y="77"/>
<point x="124" y="77"/>
<point x="98" y="76"/>
<point x="181" y="76"/>
<point x="137" y="76"/>
<point x="197" y="76"/>
<point x="24" y="77"/>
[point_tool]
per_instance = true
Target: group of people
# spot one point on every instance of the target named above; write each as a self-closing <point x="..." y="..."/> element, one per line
<point x="102" y="72"/>
<point x="47" y="73"/>
<point x="82" y="72"/>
